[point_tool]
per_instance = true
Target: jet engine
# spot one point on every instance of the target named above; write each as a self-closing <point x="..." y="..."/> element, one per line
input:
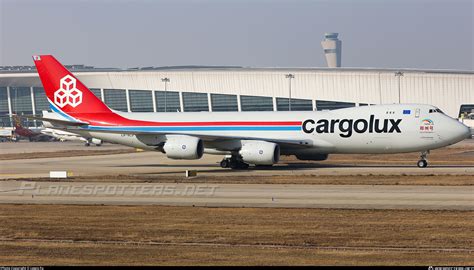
<point x="260" y="152"/>
<point x="183" y="147"/>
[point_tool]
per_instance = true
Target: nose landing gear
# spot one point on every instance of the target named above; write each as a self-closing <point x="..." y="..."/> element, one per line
<point x="423" y="163"/>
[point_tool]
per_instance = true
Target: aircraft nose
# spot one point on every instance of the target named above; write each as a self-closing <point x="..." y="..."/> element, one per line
<point x="461" y="131"/>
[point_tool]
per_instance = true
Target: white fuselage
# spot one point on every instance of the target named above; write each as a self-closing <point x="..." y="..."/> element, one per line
<point x="393" y="128"/>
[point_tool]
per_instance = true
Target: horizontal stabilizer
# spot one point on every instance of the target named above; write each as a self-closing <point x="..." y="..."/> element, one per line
<point x="54" y="121"/>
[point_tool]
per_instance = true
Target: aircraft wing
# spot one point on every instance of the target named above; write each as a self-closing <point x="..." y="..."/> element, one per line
<point x="54" y="121"/>
<point x="206" y="137"/>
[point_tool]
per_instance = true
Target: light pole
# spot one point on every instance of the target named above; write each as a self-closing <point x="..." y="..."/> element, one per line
<point x="166" y="81"/>
<point x="399" y="74"/>
<point x="289" y="77"/>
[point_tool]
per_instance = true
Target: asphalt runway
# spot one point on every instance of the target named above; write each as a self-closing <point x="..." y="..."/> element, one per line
<point x="239" y="195"/>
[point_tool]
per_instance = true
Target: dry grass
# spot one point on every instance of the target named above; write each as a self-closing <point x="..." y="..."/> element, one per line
<point x="73" y="153"/>
<point x="110" y="235"/>
<point x="30" y="253"/>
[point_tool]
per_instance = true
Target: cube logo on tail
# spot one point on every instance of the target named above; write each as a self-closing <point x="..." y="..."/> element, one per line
<point x="68" y="93"/>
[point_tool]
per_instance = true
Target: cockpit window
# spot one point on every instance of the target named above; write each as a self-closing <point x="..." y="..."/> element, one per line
<point x="435" y="111"/>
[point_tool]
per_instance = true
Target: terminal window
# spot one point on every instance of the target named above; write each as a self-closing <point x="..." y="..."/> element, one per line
<point x="322" y="105"/>
<point x="195" y="102"/>
<point x="141" y="101"/>
<point x="4" y="118"/>
<point x="296" y="104"/>
<point x="172" y="101"/>
<point x="21" y="102"/>
<point x="224" y="103"/>
<point x="41" y="102"/>
<point x="96" y="92"/>
<point x="116" y="99"/>
<point x="256" y="103"/>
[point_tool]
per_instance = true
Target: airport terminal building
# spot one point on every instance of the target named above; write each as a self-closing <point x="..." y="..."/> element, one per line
<point x="217" y="89"/>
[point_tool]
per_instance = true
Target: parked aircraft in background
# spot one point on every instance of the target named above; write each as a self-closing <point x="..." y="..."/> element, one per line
<point x="63" y="135"/>
<point x="257" y="138"/>
<point x="33" y="135"/>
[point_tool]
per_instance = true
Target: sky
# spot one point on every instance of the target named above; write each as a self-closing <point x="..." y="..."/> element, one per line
<point x="430" y="34"/>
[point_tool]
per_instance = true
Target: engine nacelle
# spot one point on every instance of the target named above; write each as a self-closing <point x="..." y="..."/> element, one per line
<point x="96" y="141"/>
<point x="183" y="147"/>
<point x="260" y="152"/>
<point x="316" y="157"/>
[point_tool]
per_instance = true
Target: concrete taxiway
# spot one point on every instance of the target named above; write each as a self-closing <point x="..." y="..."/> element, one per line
<point x="152" y="163"/>
<point x="75" y="160"/>
<point x="239" y="195"/>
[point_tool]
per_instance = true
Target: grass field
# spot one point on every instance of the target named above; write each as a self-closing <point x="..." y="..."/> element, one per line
<point x="126" y="235"/>
<point x="73" y="153"/>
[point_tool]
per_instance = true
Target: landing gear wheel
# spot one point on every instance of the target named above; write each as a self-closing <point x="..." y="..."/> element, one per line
<point x="234" y="162"/>
<point x="87" y="144"/>
<point x="225" y="163"/>
<point x="422" y="163"/>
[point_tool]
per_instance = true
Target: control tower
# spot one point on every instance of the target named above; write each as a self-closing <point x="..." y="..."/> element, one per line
<point x="332" y="49"/>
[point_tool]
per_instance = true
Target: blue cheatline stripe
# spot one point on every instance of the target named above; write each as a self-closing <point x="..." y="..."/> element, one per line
<point x="215" y="128"/>
<point x="58" y="111"/>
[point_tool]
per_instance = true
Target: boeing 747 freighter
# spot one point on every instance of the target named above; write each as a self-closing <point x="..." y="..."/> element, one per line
<point x="244" y="138"/>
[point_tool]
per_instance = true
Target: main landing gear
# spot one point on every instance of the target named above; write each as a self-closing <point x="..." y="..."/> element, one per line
<point x="423" y="163"/>
<point x="234" y="163"/>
